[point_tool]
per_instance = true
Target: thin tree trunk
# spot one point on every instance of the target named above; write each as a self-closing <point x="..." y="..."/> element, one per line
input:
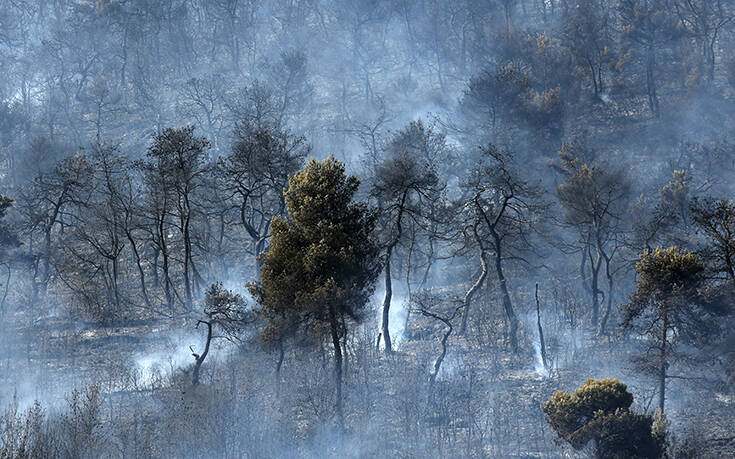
<point x="662" y="361"/>
<point x="608" y="307"/>
<point x="46" y="262"/>
<point x="388" y="281"/>
<point x="542" y="343"/>
<point x="345" y="353"/>
<point x="166" y="276"/>
<point x="440" y="359"/>
<point x="595" y="267"/>
<point x="471" y="292"/>
<point x="582" y="268"/>
<point x="141" y="272"/>
<point x="408" y="279"/>
<point x="386" y="304"/>
<point x="115" y="275"/>
<point x="199" y="359"/>
<point x="651" y="82"/>
<point x="337" y="366"/>
<point x="594" y="76"/>
<point x="5" y="292"/>
<point x="507" y="304"/>
<point x="279" y="364"/>
<point x="187" y="259"/>
<point x="156" y="254"/>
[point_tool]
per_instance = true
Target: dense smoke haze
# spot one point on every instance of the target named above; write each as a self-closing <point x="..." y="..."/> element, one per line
<point x="367" y="228"/>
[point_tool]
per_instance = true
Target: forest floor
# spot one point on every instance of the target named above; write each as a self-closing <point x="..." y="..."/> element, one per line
<point x="481" y="391"/>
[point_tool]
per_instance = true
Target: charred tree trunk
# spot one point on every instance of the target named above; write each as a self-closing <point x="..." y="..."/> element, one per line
<point x="471" y="292"/>
<point x="164" y="255"/>
<point x="595" y="270"/>
<point x="610" y="281"/>
<point x="507" y="303"/>
<point x="662" y="360"/>
<point x="141" y="272"/>
<point x="446" y="320"/>
<point x="115" y="276"/>
<point x="279" y="365"/>
<point x="651" y="81"/>
<point x="199" y="359"/>
<point x="156" y="252"/>
<point x="388" y="280"/>
<point x="542" y="343"/>
<point x="582" y="270"/>
<point x="334" y="326"/>
<point x="440" y="359"/>
<point x="593" y="73"/>
<point x="185" y="220"/>
<point x="258" y="238"/>
<point x="386" y="304"/>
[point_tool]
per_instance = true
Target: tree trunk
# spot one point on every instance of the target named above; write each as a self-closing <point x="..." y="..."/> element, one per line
<point x="651" y="81"/>
<point x="610" y="281"/>
<point x="156" y="253"/>
<point x="440" y="359"/>
<point x="386" y="304"/>
<point x="337" y="365"/>
<point x="279" y="364"/>
<point x="141" y="272"/>
<point x="710" y="58"/>
<point x="593" y="72"/>
<point x="388" y="281"/>
<point x="582" y="269"/>
<point x="166" y="276"/>
<point x="345" y="351"/>
<point x="471" y="292"/>
<point x="187" y="258"/>
<point x="507" y="304"/>
<point x="46" y="261"/>
<point x="595" y="265"/>
<point x="542" y="343"/>
<point x="199" y="359"/>
<point x="662" y="361"/>
<point x="258" y="240"/>
<point x="115" y="275"/>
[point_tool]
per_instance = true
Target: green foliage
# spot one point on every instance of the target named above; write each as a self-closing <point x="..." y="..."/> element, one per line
<point x="599" y="411"/>
<point x="506" y="97"/>
<point x="623" y="435"/>
<point x="665" y="273"/>
<point x="178" y="159"/>
<point x="675" y="195"/>
<point x="497" y="94"/>
<point x="673" y="301"/>
<point x="568" y="413"/>
<point x="323" y="259"/>
<point x="226" y="310"/>
<point x="594" y="194"/>
<point x="673" y="282"/>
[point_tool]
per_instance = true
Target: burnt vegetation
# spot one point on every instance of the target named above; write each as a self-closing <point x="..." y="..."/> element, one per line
<point x="367" y="228"/>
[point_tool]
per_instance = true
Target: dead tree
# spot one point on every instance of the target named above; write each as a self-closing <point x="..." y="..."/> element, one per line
<point x="427" y="303"/>
<point x="406" y="188"/>
<point x="199" y="358"/>
<point x="498" y="214"/>
<point x="595" y="197"/>
<point x="225" y="311"/>
<point x="542" y="344"/>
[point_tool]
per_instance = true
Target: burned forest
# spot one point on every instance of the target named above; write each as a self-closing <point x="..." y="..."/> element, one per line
<point x="367" y="228"/>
